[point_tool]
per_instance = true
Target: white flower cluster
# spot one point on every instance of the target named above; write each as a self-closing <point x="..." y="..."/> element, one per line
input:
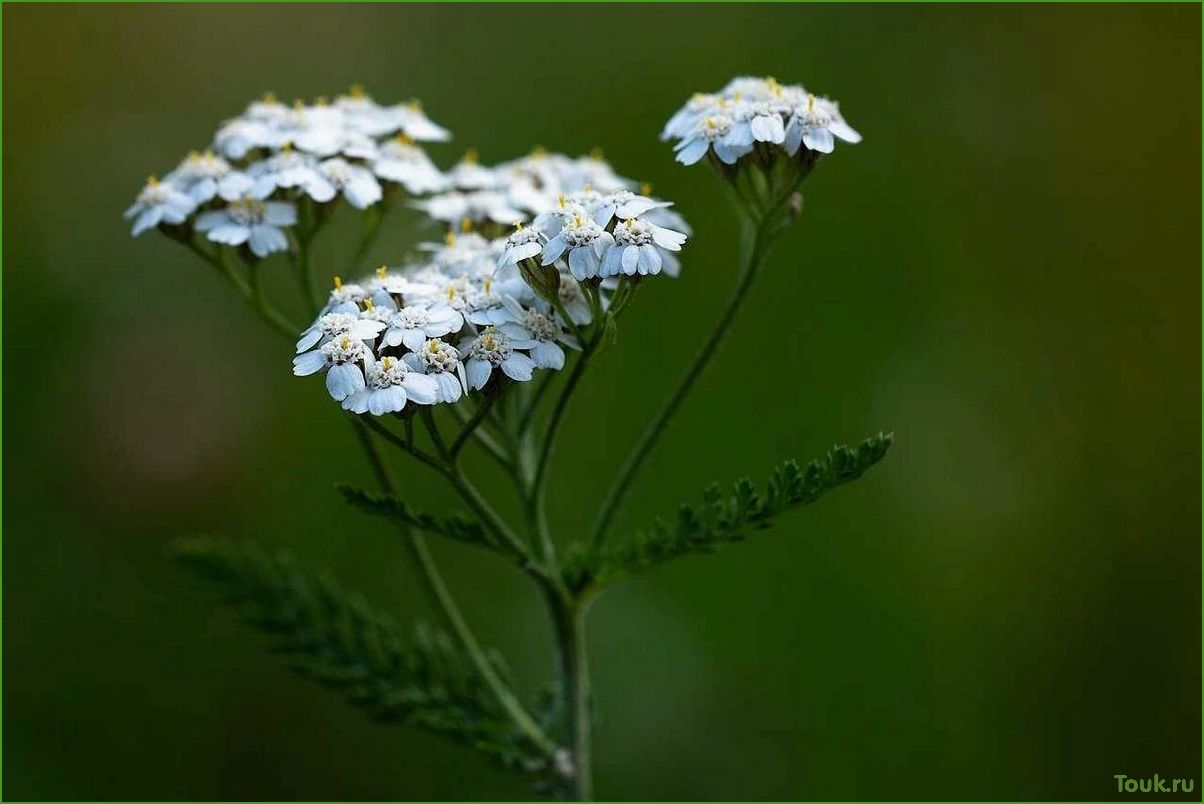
<point x="601" y="235"/>
<point x="434" y="331"/>
<point x="520" y="189"/>
<point x="748" y="111"/>
<point x="244" y="188"/>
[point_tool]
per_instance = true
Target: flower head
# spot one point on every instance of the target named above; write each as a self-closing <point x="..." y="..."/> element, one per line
<point x="159" y="202"/>
<point x="274" y="152"/>
<point x="251" y="221"/>
<point x="748" y="111"/>
<point x="388" y="386"/>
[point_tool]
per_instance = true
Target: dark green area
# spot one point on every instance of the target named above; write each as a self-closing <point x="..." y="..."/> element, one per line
<point x="1005" y="274"/>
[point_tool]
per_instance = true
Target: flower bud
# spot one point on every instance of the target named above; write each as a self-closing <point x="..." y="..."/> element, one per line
<point x="543" y="279"/>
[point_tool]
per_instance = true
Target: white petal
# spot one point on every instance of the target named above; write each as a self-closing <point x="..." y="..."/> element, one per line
<point x="209" y="220"/>
<point x="631" y="259"/>
<point x="362" y="192"/>
<point x="422" y="389"/>
<point x="449" y="387"/>
<point x="266" y="239"/>
<point x="548" y="355"/>
<point x="693" y="151"/>
<point x="147" y="220"/>
<point x="667" y="238"/>
<point x="309" y="363"/>
<point x="844" y="131"/>
<point x="650" y="259"/>
<point x="553" y="250"/>
<point x="280" y="213"/>
<point x="478" y="373"/>
<point x="818" y="139"/>
<point x="308" y="338"/>
<point x="386" y="400"/>
<point x="518" y="367"/>
<point x="413" y="338"/>
<point x="231" y="234"/>
<point x="343" y="381"/>
<point x="357" y="402"/>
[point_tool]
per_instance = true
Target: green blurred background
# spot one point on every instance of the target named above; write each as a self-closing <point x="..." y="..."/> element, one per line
<point x="1005" y="273"/>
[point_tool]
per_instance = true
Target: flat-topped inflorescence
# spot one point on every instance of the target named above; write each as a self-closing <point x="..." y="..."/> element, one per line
<point x="730" y="123"/>
<point x="276" y="153"/>
<point x="477" y="310"/>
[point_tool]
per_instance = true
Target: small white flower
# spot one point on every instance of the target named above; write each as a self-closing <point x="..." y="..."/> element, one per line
<point x="251" y="221"/>
<point x="236" y="138"/>
<point x="491" y="349"/>
<point x="332" y="325"/>
<point x="638" y="248"/>
<point x="813" y="124"/>
<point x="412" y="326"/>
<point x="715" y="132"/>
<point x="483" y="302"/>
<point x="466" y="253"/>
<point x="441" y="362"/>
<point x="765" y="122"/>
<point x="537" y="331"/>
<point x="159" y="202"/>
<point x="477" y="206"/>
<point x="357" y="184"/>
<point x="290" y="169"/>
<point x="319" y="129"/>
<point x="390" y="384"/>
<point x="686" y="119"/>
<point x="521" y="244"/>
<point x="585" y="241"/>
<point x="361" y="114"/>
<point x="345" y="297"/>
<point x="470" y="174"/>
<point x="624" y="204"/>
<point x="341" y="357"/>
<point x="400" y="160"/>
<point x="202" y="176"/>
<point x="413" y="122"/>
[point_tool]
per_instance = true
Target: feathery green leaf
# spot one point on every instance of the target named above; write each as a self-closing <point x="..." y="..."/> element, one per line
<point x="456" y="527"/>
<point x="723" y="518"/>
<point x="336" y="639"/>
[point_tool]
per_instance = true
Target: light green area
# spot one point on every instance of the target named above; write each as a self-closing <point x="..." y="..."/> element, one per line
<point x="1005" y="273"/>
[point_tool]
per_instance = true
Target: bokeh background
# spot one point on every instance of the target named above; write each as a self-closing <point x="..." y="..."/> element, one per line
<point x="1006" y="273"/>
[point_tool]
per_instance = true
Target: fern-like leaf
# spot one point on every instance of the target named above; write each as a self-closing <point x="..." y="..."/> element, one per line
<point x="336" y="639"/>
<point x="456" y="527"/>
<point x="721" y="518"/>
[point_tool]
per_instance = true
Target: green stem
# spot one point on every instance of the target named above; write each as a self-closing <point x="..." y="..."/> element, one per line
<point x="537" y="492"/>
<point x="468" y="492"/>
<point x="451" y="612"/>
<point x="249" y="290"/>
<point x="569" y="619"/>
<point x="754" y="246"/>
<point x="492" y="447"/>
<point x="374" y="216"/>
<point x="528" y="413"/>
<point x="470" y="426"/>
<point x="302" y="262"/>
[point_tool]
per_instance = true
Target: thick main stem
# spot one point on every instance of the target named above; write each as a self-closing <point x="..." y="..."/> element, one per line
<point x="569" y="617"/>
<point x="755" y="242"/>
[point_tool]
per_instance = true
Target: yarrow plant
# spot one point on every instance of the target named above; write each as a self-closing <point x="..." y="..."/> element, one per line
<point x="471" y="348"/>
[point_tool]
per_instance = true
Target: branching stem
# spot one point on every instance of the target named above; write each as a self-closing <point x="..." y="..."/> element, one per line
<point x="759" y="230"/>
<point x="438" y="590"/>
